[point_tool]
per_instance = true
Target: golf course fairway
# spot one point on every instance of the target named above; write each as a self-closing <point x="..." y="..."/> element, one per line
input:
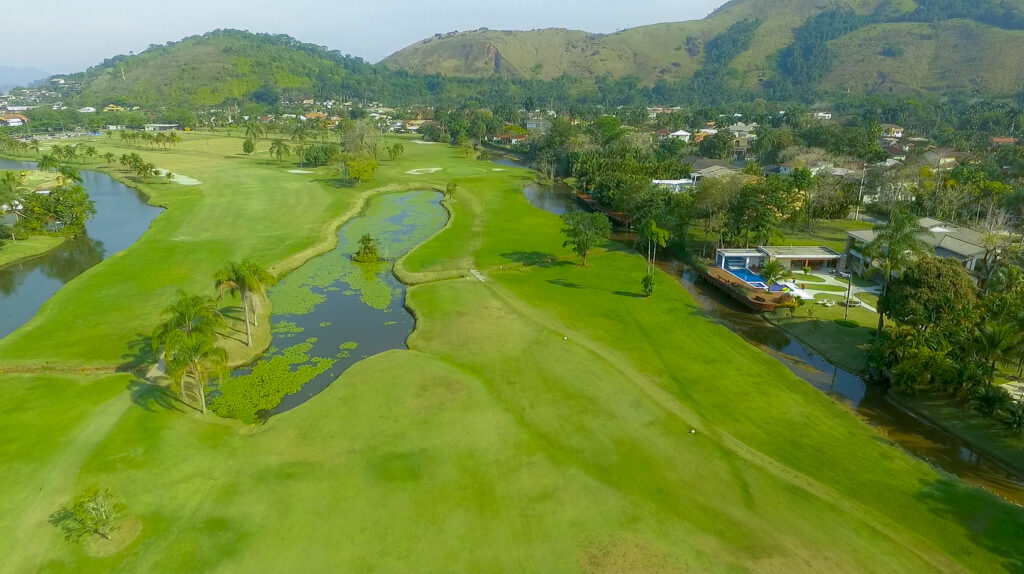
<point x="546" y="418"/>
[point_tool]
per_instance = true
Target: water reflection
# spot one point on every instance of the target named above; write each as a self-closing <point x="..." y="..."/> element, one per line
<point x="122" y="216"/>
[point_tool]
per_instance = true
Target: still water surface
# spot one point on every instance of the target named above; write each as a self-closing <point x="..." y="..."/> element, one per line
<point x="122" y="216"/>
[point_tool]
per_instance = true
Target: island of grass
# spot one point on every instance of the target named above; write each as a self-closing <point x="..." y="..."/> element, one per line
<point x="540" y="421"/>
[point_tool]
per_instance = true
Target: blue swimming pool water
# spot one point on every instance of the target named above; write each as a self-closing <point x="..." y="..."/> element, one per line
<point x="748" y="276"/>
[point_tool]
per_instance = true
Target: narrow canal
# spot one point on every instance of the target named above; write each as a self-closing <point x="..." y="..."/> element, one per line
<point x="917" y="436"/>
<point x="332" y="312"/>
<point x="122" y="216"/>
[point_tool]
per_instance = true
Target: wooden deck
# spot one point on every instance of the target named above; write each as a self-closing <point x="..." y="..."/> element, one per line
<point x="754" y="299"/>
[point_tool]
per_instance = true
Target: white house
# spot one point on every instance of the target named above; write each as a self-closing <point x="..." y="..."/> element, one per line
<point x="823" y="115"/>
<point x="87" y="110"/>
<point x="681" y="135"/>
<point x="160" y="127"/>
<point x="674" y="185"/>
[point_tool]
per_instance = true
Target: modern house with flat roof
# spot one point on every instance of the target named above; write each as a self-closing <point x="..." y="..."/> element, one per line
<point x="743" y="263"/>
<point x="965" y="245"/>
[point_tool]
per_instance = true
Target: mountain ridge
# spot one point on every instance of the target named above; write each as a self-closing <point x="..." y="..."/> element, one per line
<point x="787" y="31"/>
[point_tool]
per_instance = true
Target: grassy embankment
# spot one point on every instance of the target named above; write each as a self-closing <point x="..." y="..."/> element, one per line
<point x="541" y="421"/>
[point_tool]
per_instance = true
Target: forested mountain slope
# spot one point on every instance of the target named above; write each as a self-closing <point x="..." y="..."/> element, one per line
<point x="782" y="48"/>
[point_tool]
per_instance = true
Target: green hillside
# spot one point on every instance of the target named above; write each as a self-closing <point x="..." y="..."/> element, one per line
<point x="797" y="45"/>
<point x="222" y="66"/>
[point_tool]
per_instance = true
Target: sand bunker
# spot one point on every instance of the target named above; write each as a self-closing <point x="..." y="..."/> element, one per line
<point x="298" y="171"/>
<point x="423" y="170"/>
<point x="421" y="142"/>
<point x="497" y="169"/>
<point x="180" y="179"/>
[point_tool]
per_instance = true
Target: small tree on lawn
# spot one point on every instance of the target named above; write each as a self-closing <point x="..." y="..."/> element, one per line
<point x="449" y="190"/>
<point x="248" y="146"/>
<point x="92" y="512"/>
<point x="647" y="283"/>
<point x="367" y="250"/>
<point x="584" y="230"/>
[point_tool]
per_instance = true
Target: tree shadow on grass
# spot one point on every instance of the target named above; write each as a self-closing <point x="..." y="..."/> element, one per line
<point x="140" y="357"/>
<point x="535" y="259"/>
<point x="567" y="284"/>
<point x="234" y="315"/>
<point x="629" y="294"/>
<point x="335" y="182"/>
<point x="144" y="394"/>
<point x="982" y="517"/>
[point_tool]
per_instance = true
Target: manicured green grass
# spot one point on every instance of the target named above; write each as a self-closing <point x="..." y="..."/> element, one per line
<point x="828" y="288"/>
<point x="869" y="298"/>
<point x="818" y="326"/>
<point x="827" y="233"/>
<point x="13" y="251"/>
<point x="541" y="422"/>
<point x="801" y="277"/>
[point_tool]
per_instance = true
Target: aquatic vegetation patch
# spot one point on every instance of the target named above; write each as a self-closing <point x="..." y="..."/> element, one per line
<point x="398" y="222"/>
<point x="244" y="397"/>
<point x="286" y="327"/>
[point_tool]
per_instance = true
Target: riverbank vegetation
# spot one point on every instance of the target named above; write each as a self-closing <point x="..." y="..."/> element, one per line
<point x="431" y="447"/>
<point x="38" y="207"/>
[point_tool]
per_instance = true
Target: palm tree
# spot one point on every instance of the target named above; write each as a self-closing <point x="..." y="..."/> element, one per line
<point x="67" y="175"/>
<point x="772" y="272"/>
<point x="254" y="130"/>
<point x="109" y="157"/>
<point x="298" y="132"/>
<point x="189" y="315"/>
<point x="249" y="280"/>
<point x="48" y="162"/>
<point x="279" y="148"/>
<point x="194" y="360"/>
<point x="897" y="243"/>
<point x="996" y="342"/>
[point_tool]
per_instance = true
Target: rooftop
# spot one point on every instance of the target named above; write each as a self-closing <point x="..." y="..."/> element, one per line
<point x="948" y="240"/>
<point x="799" y="252"/>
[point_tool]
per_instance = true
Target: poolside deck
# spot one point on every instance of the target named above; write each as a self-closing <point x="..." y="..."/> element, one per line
<point x="754" y="299"/>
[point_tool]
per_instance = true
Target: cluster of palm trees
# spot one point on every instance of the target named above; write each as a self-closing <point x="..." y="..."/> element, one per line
<point x="192" y="324"/>
<point x="140" y="167"/>
<point x="13" y="146"/>
<point x="149" y="139"/>
<point x="73" y="153"/>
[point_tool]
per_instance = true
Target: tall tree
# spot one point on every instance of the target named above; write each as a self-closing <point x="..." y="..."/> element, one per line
<point x="249" y="281"/>
<point x="584" y="230"/>
<point x="194" y="361"/>
<point x="279" y="149"/>
<point x="897" y="243"/>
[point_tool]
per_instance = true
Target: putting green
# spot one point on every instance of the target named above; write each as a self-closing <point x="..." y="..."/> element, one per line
<point x="540" y="423"/>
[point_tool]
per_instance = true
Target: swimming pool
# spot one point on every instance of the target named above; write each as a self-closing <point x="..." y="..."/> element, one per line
<point x="751" y="278"/>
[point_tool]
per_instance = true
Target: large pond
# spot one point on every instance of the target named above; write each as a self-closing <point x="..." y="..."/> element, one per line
<point x="332" y="312"/>
<point x="122" y="216"/>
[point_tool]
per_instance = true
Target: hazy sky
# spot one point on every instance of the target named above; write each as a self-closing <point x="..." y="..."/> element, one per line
<point x="62" y="36"/>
